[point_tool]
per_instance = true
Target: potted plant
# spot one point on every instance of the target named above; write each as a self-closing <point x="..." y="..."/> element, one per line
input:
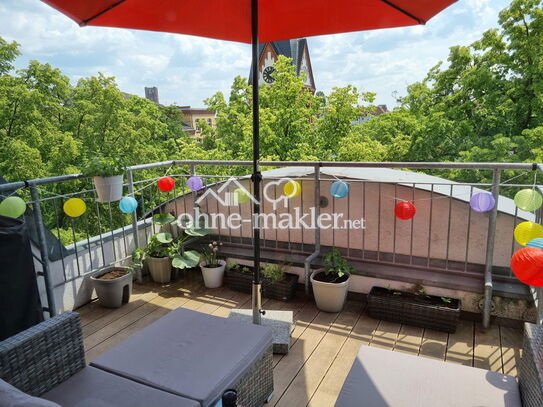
<point x="277" y="283"/>
<point x="107" y="176"/>
<point x="239" y="277"/>
<point x="331" y="284"/>
<point x="157" y="256"/>
<point x="113" y="285"/>
<point x="212" y="267"/>
<point x="164" y="251"/>
<point x="414" y="308"/>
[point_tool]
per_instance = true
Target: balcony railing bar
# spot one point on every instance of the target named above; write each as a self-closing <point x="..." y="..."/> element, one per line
<point x="468" y="235"/>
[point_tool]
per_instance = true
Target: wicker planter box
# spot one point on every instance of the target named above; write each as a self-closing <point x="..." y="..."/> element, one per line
<point x="283" y="290"/>
<point x="425" y="311"/>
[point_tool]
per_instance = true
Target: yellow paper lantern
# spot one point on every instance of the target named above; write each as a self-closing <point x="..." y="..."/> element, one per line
<point x="241" y="196"/>
<point x="526" y="231"/>
<point x="74" y="207"/>
<point x="292" y="188"/>
<point x="528" y="200"/>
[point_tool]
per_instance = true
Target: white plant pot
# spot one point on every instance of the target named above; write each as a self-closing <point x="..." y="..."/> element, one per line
<point x="213" y="276"/>
<point x="108" y="189"/>
<point x="329" y="297"/>
<point x="160" y="269"/>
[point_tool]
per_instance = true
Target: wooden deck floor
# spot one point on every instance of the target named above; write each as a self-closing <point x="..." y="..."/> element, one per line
<point x="323" y="345"/>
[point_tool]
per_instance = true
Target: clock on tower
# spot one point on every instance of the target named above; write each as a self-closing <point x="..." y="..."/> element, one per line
<point x="296" y="49"/>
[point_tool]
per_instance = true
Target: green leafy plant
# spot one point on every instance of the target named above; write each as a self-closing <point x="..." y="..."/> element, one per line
<point x="275" y="272"/>
<point x="163" y="244"/>
<point x="233" y="266"/>
<point x="335" y="264"/>
<point x="104" y="166"/>
<point x="246" y="269"/>
<point x="446" y="300"/>
<point x="211" y="254"/>
<point x="419" y="289"/>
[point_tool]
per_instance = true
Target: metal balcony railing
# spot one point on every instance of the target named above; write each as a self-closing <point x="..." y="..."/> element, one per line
<point x="68" y="249"/>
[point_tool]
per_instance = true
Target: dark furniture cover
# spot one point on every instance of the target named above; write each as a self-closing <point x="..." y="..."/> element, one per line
<point x="20" y="306"/>
<point x="93" y="387"/>
<point x="188" y="353"/>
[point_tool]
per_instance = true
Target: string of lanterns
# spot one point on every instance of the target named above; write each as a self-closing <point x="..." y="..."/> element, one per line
<point x="526" y="263"/>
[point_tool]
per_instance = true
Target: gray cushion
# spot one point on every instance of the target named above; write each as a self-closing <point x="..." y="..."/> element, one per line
<point x="381" y="378"/>
<point x="188" y="353"/>
<point x="92" y="387"/>
<point x="12" y="397"/>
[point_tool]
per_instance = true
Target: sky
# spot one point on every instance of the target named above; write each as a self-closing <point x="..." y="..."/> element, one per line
<point x="188" y="69"/>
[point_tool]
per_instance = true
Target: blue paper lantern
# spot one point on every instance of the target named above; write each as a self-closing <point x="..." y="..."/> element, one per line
<point x="128" y="204"/>
<point x="339" y="189"/>
<point x="537" y="242"/>
<point x="195" y="183"/>
<point x="482" y="202"/>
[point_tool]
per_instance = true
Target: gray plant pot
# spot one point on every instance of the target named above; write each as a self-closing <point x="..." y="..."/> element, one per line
<point x="160" y="269"/>
<point x="108" y="189"/>
<point x="113" y="293"/>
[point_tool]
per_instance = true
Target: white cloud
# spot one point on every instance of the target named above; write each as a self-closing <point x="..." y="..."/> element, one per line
<point x="189" y="69"/>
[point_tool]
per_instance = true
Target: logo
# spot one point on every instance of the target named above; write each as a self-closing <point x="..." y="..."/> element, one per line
<point x="238" y="196"/>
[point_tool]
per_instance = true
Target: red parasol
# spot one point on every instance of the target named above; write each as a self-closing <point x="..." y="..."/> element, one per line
<point x="251" y="21"/>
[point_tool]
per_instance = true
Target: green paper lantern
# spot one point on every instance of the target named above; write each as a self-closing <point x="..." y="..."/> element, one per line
<point x="12" y="207"/>
<point x="528" y="200"/>
<point x="241" y="196"/>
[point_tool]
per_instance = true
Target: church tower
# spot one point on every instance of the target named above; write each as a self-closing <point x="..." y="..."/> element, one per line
<point x="296" y="49"/>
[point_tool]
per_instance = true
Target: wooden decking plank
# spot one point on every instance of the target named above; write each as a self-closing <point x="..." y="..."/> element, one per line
<point x="288" y="367"/>
<point x="239" y="300"/>
<point x="134" y="303"/>
<point x="487" y="351"/>
<point x="329" y="388"/>
<point x="385" y="335"/>
<point x="511" y="344"/>
<point x="93" y="310"/>
<point x="434" y="344"/>
<point x="163" y="309"/>
<point x="309" y="377"/>
<point x="409" y="340"/>
<point x="102" y="334"/>
<point x="460" y="344"/>
<point x="302" y="320"/>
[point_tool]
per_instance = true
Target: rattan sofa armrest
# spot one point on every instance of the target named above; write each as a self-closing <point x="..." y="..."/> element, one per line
<point x="531" y="366"/>
<point x="43" y="356"/>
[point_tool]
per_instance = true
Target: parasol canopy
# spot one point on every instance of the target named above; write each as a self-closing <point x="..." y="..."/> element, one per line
<point x="231" y="19"/>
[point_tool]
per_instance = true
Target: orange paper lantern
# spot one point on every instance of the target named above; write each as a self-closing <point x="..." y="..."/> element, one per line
<point x="527" y="264"/>
<point x="166" y="184"/>
<point x="405" y="210"/>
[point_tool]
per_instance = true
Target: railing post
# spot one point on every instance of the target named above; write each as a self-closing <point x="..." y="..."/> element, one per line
<point x="134" y="215"/>
<point x="316" y="252"/>
<point x="491" y="236"/>
<point x="44" y="252"/>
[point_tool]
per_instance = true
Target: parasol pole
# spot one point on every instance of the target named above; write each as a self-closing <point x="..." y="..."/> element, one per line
<point x="257" y="176"/>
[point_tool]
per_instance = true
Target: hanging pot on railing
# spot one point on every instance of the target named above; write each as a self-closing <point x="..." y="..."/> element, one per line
<point x="108" y="189"/>
<point x="107" y="176"/>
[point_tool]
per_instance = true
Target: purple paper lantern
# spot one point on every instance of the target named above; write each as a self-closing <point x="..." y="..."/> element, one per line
<point x="195" y="183"/>
<point x="482" y="202"/>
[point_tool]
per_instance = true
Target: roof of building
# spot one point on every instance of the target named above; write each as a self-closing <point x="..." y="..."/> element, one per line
<point x="441" y="186"/>
<point x="289" y="48"/>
